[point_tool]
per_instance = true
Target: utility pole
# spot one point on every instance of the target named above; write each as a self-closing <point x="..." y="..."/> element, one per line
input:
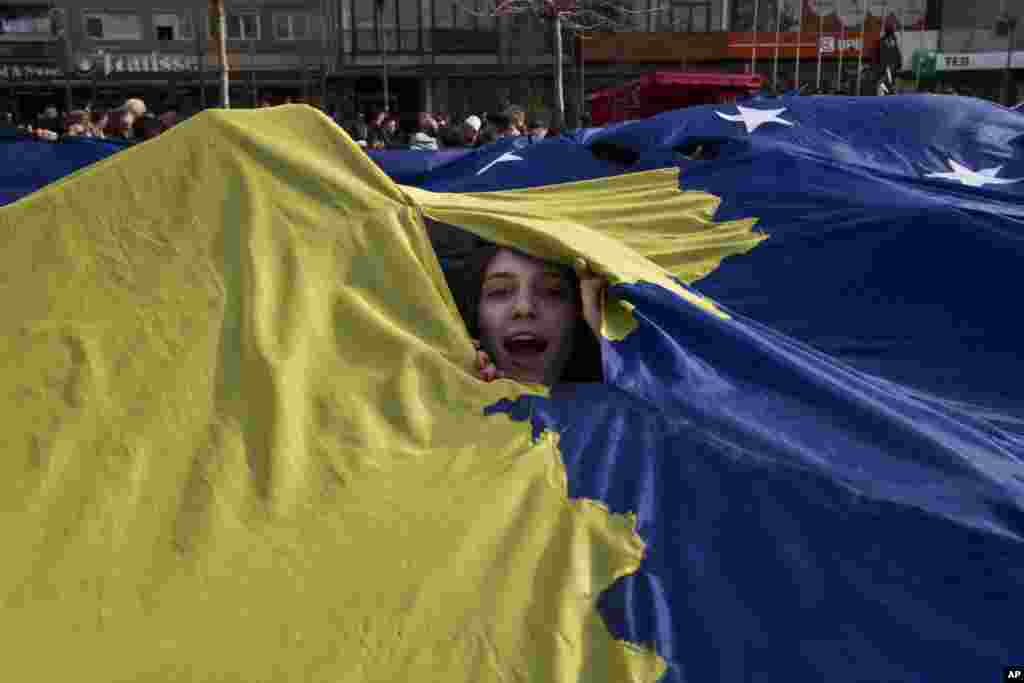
<point x="200" y="36"/>
<point x="382" y="46"/>
<point x="863" y="40"/>
<point x="559" y="90"/>
<point x="778" y="37"/>
<point x="753" y="49"/>
<point x="221" y="33"/>
<point x="1008" y="23"/>
<point x="59" y="29"/>
<point x="799" y="46"/>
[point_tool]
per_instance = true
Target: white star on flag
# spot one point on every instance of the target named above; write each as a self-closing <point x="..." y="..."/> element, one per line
<point x="986" y="176"/>
<point x="507" y="156"/>
<point x="754" y="118"/>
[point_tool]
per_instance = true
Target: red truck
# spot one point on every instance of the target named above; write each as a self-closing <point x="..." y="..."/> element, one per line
<point x="660" y="91"/>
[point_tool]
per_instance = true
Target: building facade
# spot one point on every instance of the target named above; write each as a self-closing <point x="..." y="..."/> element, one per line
<point x="456" y="56"/>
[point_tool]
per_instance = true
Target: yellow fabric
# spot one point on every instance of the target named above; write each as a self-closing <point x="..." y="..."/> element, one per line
<point x="643" y="211"/>
<point x="243" y="439"/>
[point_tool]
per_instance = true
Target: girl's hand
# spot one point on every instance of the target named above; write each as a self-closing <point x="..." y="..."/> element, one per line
<point x="485" y="367"/>
<point x="594" y="292"/>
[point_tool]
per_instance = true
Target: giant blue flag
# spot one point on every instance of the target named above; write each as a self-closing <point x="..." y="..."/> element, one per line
<point x="27" y="164"/>
<point x="894" y="224"/>
<point x="816" y="503"/>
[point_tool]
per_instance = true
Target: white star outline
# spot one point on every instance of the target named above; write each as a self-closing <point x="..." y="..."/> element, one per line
<point x="507" y="156"/>
<point x="755" y="118"/>
<point x="971" y="178"/>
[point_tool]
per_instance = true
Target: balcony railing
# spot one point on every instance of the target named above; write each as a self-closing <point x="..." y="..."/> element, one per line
<point x="439" y="40"/>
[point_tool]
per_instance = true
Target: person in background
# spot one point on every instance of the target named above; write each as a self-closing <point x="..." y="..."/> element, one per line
<point x="375" y="122"/>
<point x="488" y="134"/>
<point x="449" y="137"/>
<point x="470" y="129"/>
<point x="537" y="129"/>
<point x="146" y="127"/>
<point x="77" y="123"/>
<point x="98" y="119"/>
<point x="358" y="131"/>
<point x="169" y="118"/>
<point x="517" y="117"/>
<point x="136" y="106"/>
<point x="119" y="124"/>
<point x="503" y="125"/>
<point x="424" y="134"/>
<point x="49" y="119"/>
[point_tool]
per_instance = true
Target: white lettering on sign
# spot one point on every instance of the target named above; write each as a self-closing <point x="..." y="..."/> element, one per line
<point x="829" y="44"/>
<point x="979" y="60"/>
<point x="27" y="72"/>
<point x="137" y="63"/>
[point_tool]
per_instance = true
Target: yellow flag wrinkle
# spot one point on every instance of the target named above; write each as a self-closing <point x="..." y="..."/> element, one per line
<point x="244" y="440"/>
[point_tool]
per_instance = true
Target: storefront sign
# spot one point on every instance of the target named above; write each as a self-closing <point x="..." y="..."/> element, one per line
<point x="829" y="44"/>
<point x="971" y="61"/>
<point x="28" y="72"/>
<point x="154" y="62"/>
<point x="744" y="45"/>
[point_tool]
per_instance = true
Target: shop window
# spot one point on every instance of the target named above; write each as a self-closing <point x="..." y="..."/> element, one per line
<point x="112" y="25"/>
<point x="293" y="26"/>
<point x="242" y="25"/>
<point x="171" y="25"/>
<point x="685" y="17"/>
<point x="25" y="24"/>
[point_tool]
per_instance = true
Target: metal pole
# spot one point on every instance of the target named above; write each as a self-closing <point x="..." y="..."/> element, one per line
<point x="381" y="45"/>
<point x="799" y="46"/>
<point x="754" y="47"/>
<point x="253" y="94"/>
<point x="559" y="89"/>
<point x="778" y="36"/>
<point x="920" y="36"/>
<point x="821" y="27"/>
<point x="1011" y="29"/>
<point x="217" y="8"/>
<point x="840" y="47"/>
<point x="201" y="54"/>
<point x="863" y="37"/>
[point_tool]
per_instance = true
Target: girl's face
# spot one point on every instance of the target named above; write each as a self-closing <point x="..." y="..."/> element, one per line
<point x="527" y="317"/>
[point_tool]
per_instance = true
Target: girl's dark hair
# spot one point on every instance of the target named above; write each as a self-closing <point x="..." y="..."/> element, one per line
<point x="584" y="364"/>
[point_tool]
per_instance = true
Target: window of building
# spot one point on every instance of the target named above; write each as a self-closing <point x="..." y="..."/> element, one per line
<point x="242" y="25"/>
<point x="25" y="23"/>
<point x="686" y="16"/>
<point x="112" y="25"/>
<point x="171" y="25"/>
<point x="293" y="26"/>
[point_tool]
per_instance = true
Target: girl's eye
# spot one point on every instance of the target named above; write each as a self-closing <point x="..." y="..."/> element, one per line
<point x="498" y="293"/>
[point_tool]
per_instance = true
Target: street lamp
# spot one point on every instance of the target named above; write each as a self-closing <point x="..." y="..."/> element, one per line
<point x="1007" y="22"/>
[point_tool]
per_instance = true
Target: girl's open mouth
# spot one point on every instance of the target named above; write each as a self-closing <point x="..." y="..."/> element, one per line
<point x="524" y="345"/>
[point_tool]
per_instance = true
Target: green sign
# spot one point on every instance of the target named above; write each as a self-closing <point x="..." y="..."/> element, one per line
<point x="924" y="63"/>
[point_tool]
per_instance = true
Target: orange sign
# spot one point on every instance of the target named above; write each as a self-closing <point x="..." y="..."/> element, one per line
<point x="654" y="47"/>
<point x="808" y="44"/>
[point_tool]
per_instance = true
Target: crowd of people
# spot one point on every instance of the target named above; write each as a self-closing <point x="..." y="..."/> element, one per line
<point x="133" y="121"/>
<point x="433" y="131"/>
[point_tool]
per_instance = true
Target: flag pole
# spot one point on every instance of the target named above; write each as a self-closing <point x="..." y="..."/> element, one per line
<point x="821" y="27"/>
<point x="778" y="35"/>
<point x="841" y="46"/>
<point x="753" y="48"/>
<point x="799" y="45"/>
<point x="863" y="36"/>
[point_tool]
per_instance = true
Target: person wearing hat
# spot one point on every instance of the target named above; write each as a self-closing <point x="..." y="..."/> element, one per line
<point x="470" y="129"/>
<point x="503" y="125"/>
